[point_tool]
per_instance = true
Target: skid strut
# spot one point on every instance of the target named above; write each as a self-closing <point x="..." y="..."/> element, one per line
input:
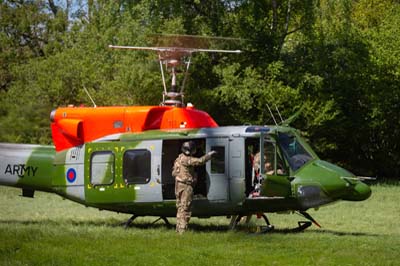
<point x="235" y="219"/>
<point x="306" y="215"/>
<point x="302" y="225"/>
<point x="164" y="219"/>
<point x="269" y="227"/>
<point x="130" y="221"/>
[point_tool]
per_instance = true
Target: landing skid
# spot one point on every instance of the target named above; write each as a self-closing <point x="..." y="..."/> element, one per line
<point x="164" y="219"/>
<point x="302" y="225"/>
<point x="237" y="218"/>
<point x="306" y="215"/>
<point x="130" y="221"/>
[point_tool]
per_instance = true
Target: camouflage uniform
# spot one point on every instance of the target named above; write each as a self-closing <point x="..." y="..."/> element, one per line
<point x="184" y="182"/>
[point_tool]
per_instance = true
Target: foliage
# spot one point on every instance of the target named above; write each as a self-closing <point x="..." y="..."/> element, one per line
<point x="338" y="60"/>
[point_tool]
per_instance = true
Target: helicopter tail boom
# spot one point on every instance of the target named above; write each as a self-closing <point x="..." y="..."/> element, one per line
<point x="26" y="166"/>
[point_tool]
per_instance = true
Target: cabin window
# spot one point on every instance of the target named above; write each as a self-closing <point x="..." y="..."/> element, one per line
<point x="294" y="152"/>
<point x="137" y="166"/>
<point x="218" y="160"/>
<point x="102" y="168"/>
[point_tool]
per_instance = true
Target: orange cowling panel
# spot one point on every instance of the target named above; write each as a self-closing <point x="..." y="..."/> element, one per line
<point x="186" y="118"/>
<point x="63" y="141"/>
<point x="96" y="123"/>
<point x="138" y="119"/>
<point x="72" y="126"/>
<point x="154" y="118"/>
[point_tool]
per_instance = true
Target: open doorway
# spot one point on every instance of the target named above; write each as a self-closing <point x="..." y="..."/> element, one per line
<point x="273" y="162"/>
<point x="170" y="151"/>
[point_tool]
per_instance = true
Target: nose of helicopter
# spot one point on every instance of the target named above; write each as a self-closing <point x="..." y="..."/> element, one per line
<point x="334" y="182"/>
<point x="360" y="191"/>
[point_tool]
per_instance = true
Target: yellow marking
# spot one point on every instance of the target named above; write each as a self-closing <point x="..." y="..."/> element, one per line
<point x="121" y="185"/>
<point x="116" y="149"/>
<point x="116" y="186"/>
<point x="152" y="147"/>
<point x="89" y="186"/>
<point x="122" y="148"/>
<point x="89" y="150"/>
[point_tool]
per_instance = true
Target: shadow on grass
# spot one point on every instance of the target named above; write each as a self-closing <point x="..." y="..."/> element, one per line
<point x="252" y="230"/>
<point x="340" y="233"/>
<point x="317" y="231"/>
<point x="48" y="222"/>
<point x="143" y="225"/>
<point x="194" y="227"/>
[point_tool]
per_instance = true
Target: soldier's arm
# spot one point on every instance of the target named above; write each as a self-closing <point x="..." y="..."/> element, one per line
<point x="193" y="161"/>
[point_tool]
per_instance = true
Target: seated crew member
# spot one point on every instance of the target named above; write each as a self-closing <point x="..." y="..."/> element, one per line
<point x="256" y="173"/>
<point x="268" y="168"/>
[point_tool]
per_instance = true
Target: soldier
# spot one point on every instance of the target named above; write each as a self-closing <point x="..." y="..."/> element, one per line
<point x="184" y="182"/>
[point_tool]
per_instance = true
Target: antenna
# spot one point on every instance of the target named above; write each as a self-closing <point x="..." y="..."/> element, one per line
<point x="272" y="115"/>
<point x="87" y="92"/>
<point x="175" y="56"/>
<point x="277" y="110"/>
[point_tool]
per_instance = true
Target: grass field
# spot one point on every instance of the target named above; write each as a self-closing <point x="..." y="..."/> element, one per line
<point x="50" y="231"/>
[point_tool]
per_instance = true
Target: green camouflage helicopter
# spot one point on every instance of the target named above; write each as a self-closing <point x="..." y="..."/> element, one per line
<point x="120" y="159"/>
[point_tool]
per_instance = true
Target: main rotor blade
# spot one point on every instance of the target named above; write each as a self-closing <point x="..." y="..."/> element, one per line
<point x="173" y="49"/>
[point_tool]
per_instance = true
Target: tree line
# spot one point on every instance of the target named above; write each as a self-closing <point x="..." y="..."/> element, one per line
<point x="336" y="61"/>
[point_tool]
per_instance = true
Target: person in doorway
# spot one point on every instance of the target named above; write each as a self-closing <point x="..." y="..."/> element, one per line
<point x="183" y="171"/>
<point x="257" y="178"/>
<point x="268" y="168"/>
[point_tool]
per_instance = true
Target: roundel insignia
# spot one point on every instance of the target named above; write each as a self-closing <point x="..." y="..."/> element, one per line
<point x="71" y="175"/>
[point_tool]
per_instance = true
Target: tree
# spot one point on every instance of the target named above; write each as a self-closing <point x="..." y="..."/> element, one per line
<point x="337" y="60"/>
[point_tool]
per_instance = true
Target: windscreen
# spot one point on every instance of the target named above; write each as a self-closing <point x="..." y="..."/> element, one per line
<point x="293" y="151"/>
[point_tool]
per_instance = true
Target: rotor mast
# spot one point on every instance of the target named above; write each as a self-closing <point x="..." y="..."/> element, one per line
<point x="174" y="60"/>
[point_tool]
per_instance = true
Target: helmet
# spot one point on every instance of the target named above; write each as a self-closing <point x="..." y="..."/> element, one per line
<point x="189" y="148"/>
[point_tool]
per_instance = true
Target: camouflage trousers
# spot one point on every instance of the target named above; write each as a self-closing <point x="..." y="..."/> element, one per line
<point x="184" y="196"/>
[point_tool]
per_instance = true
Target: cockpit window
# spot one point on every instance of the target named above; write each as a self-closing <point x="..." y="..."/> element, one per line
<point x="294" y="152"/>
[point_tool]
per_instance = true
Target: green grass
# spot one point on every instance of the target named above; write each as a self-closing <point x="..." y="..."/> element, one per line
<point x="50" y="231"/>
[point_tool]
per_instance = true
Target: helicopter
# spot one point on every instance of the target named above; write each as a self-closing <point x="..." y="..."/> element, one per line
<point x="120" y="158"/>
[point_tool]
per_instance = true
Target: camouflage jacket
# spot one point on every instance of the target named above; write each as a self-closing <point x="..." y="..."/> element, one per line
<point x="183" y="167"/>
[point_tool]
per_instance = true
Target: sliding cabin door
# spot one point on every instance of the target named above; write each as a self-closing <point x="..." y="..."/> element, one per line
<point x="123" y="172"/>
<point x="218" y="170"/>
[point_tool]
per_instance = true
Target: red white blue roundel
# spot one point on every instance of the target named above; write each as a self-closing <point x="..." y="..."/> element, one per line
<point x="71" y="175"/>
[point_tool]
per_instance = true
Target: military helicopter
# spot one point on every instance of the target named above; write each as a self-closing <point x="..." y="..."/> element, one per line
<point x="120" y="158"/>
